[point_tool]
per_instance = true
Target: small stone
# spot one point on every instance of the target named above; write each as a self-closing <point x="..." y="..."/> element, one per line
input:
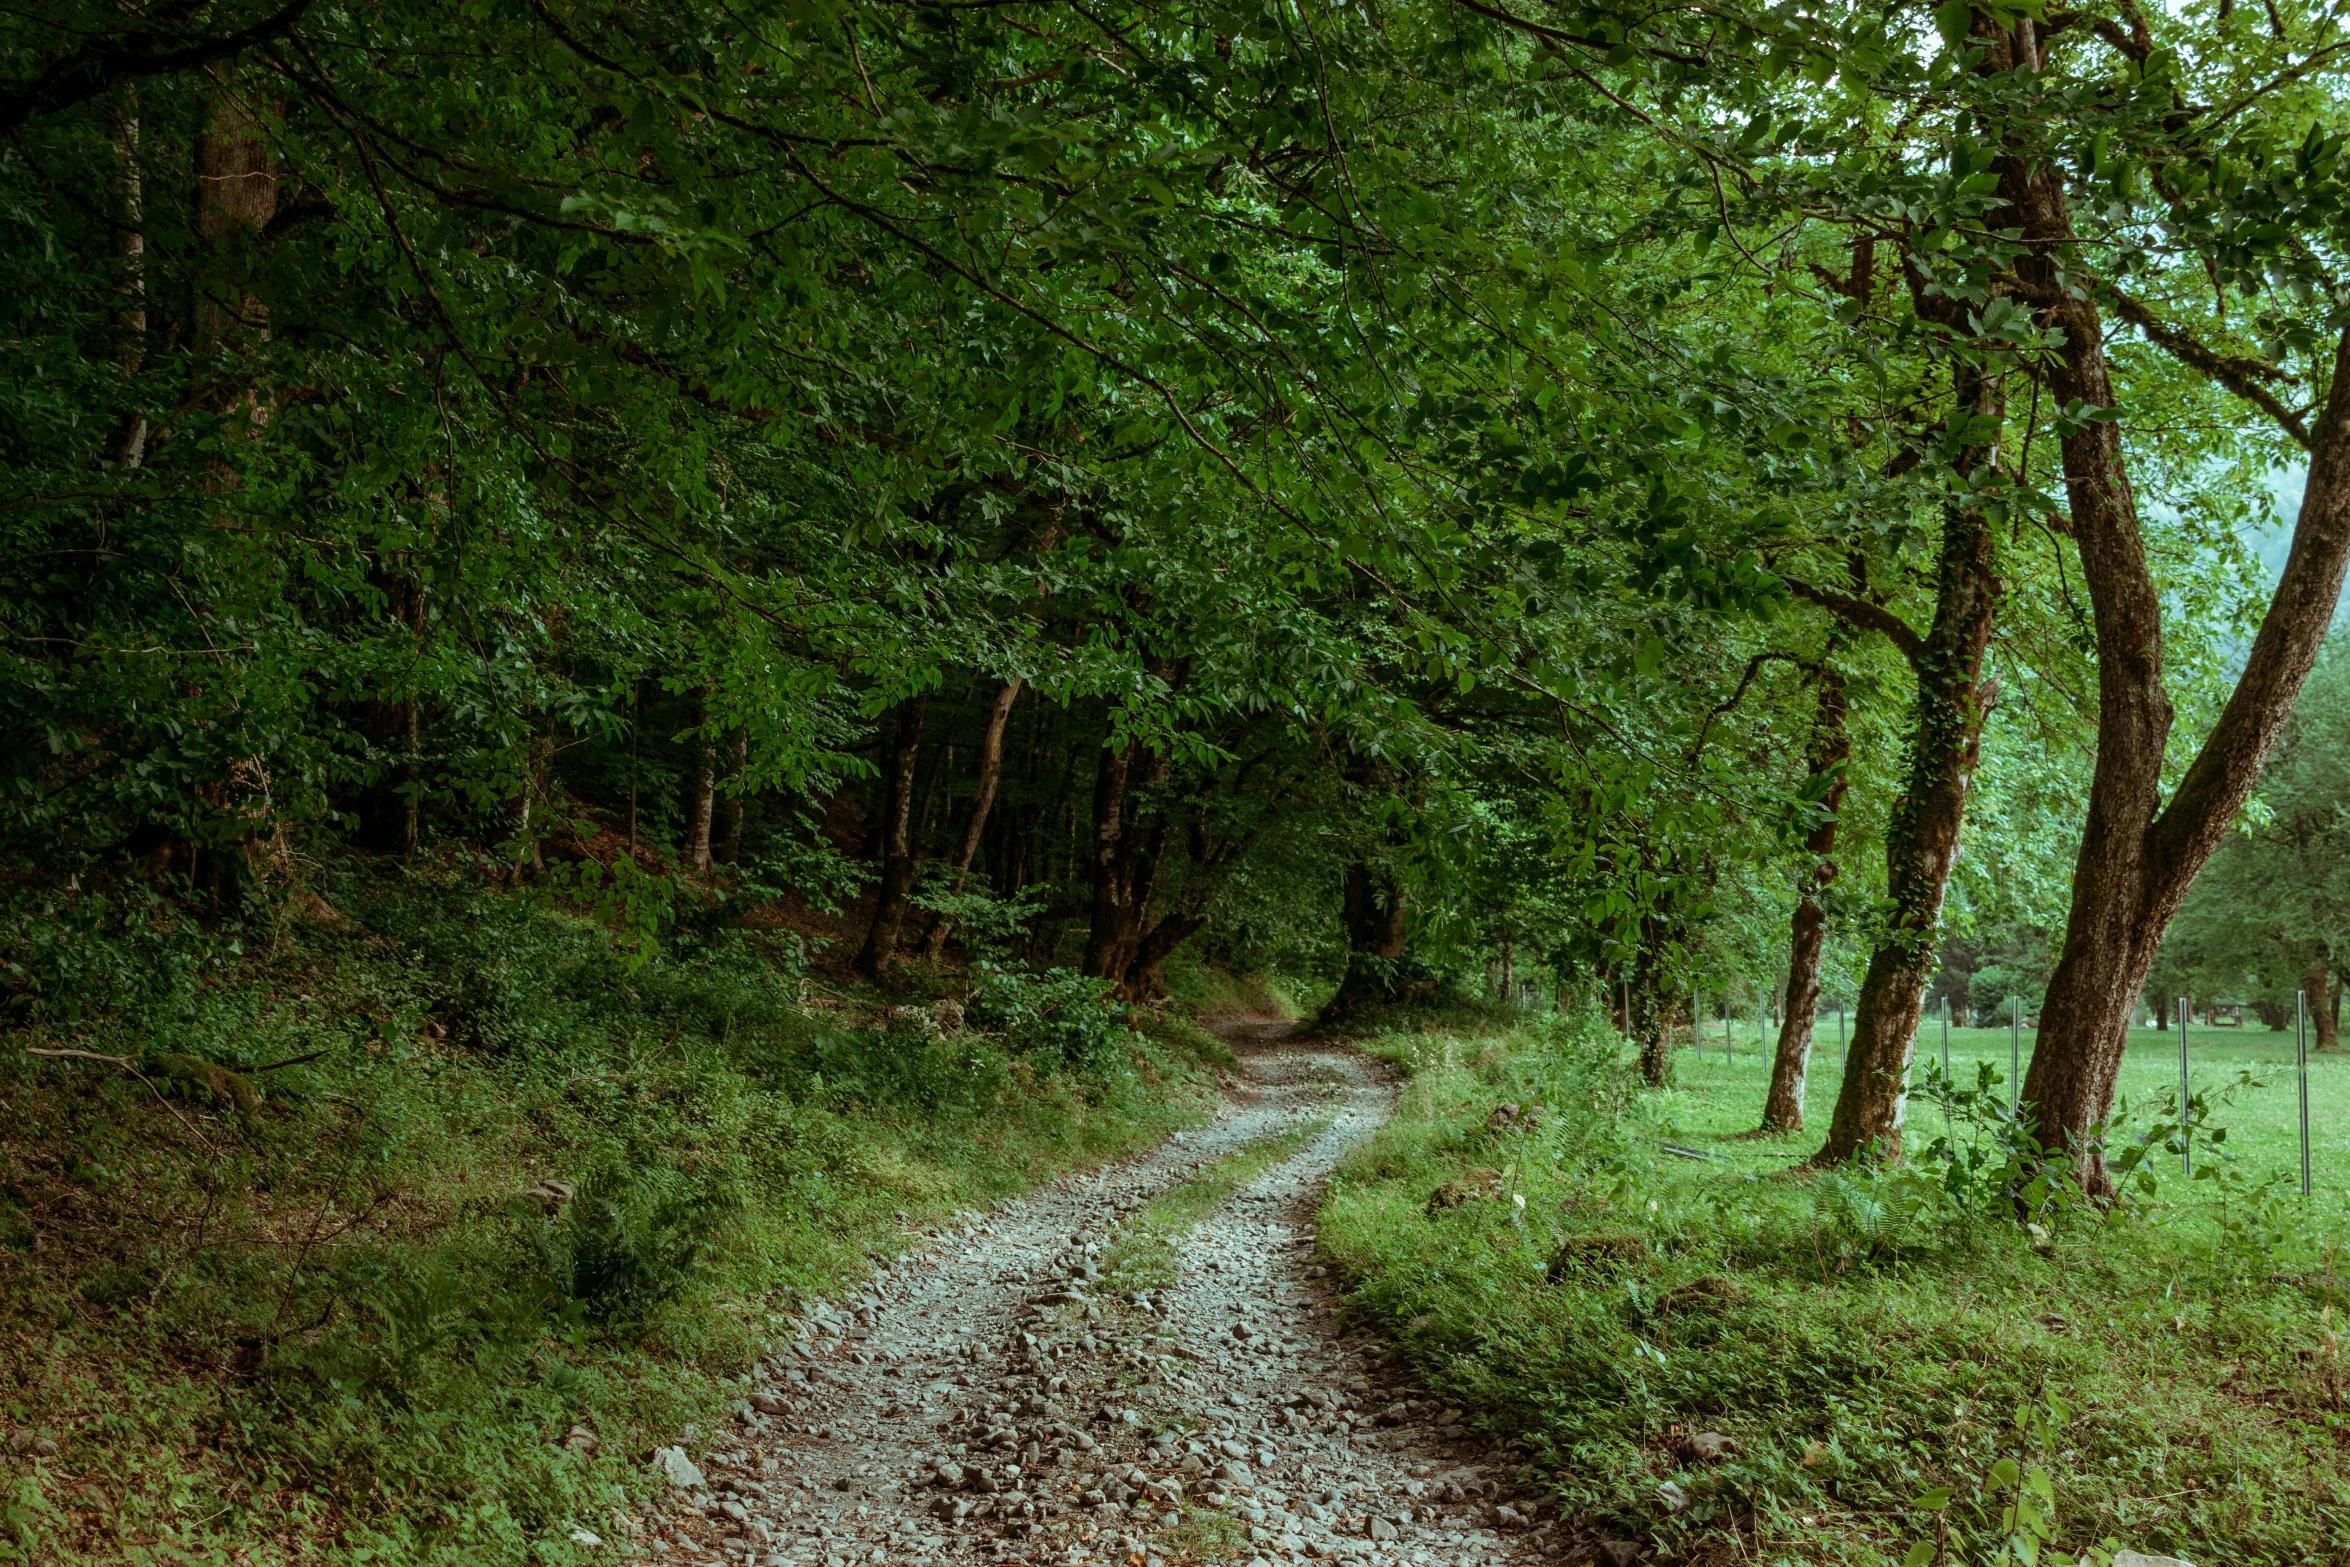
<point x="769" y="1404"/>
<point x="584" y="1537"/>
<point x="1674" y="1498"/>
<point x="1619" y="1553"/>
<point x="671" y="1464"/>
<point x="951" y="1476"/>
<point x="1706" y="1447"/>
<point x="581" y="1440"/>
<point x="1381" y="1529"/>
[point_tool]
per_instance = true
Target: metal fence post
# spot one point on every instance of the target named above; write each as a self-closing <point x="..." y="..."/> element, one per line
<point x="2015" y="1047"/>
<point x="2186" y="1134"/>
<point x="1946" y="1084"/>
<point x="2301" y="1064"/>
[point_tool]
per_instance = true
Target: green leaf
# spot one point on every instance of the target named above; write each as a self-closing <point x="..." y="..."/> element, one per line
<point x="1954" y="20"/>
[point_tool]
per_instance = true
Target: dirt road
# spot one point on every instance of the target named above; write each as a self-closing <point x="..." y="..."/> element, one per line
<point x="991" y="1400"/>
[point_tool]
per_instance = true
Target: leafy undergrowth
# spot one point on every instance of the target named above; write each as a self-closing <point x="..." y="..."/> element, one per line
<point x="1892" y="1354"/>
<point x="358" y="1323"/>
<point x="1215" y="995"/>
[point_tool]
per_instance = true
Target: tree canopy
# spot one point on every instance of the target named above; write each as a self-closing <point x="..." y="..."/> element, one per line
<point x="1562" y="490"/>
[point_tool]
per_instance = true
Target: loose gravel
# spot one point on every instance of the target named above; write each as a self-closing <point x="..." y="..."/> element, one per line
<point x="995" y="1399"/>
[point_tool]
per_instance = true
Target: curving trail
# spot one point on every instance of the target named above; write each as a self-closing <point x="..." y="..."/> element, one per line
<point x="982" y="1402"/>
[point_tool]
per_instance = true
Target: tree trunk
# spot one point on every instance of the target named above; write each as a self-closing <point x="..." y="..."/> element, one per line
<point x="1921" y="840"/>
<point x="1105" y="934"/>
<point x="938" y="773"/>
<point x="536" y="761"/>
<point x="236" y="188"/>
<point x="2318" y="993"/>
<point x="730" y="845"/>
<point x="1650" y="1019"/>
<point x="1375" y="916"/>
<point x="991" y="771"/>
<point x="2135" y="866"/>
<point x="1125" y="860"/>
<point x="1146" y="971"/>
<point x="1830" y="750"/>
<point x="699" y="809"/>
<point x="880" y="951"/>
<point x="130" y="249"/>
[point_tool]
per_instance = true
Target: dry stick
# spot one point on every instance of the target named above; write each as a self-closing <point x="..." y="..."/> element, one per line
<point x="125" y="1063"/>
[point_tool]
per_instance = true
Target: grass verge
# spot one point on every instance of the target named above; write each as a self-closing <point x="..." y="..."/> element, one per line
<point x="512" y="1212"/>
<point x="1142" y="1255"/>
<point x="1891" y="1354"/>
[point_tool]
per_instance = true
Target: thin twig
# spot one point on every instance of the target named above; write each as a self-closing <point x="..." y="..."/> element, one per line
<point x="125" y="1063"/>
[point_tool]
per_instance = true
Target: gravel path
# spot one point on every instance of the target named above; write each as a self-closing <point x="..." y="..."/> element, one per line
<point x="986" y="1400"/>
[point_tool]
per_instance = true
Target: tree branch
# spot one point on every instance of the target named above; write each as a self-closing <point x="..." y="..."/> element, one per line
<point x="2237" y="373"/>
<point x="1862" y="615"/>
<point x="87" y="72"/>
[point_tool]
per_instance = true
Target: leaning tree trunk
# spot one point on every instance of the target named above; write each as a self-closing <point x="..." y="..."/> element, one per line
<point x="897" y="848"/>
<point x="1211" y="862"/>
<point x="1921" y="841"/>
<point x="991" y="772"/>
<point x="2138" y="857"/>
<point x="1145" y="978"/>
<point x="700" y="808"/>
<point x="1830" y="750"/>
<point x="2317" y="990"/>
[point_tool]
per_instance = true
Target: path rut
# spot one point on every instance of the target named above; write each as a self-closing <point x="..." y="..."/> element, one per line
<point x="989" y="1400"/>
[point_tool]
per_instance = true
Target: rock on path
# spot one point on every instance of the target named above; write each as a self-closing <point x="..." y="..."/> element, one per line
<point x="988" y="1401"/>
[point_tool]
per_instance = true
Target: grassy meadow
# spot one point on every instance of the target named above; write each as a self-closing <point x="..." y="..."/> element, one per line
<point x="1908" y="1374"/>
<point x="1717" y="1101"/>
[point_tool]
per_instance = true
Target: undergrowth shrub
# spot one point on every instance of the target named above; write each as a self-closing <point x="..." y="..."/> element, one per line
<point x="1061" y="1016"/>
<point x="366" y="1284"/>
<point x="630" y="1241"/>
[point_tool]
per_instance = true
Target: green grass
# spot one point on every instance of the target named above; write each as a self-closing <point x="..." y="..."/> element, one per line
<point x="1719" y="1101"/>
<point x="1864" y="1338"/>
<point x="1143" y="1253"/>
<point x="331" y="1334"/>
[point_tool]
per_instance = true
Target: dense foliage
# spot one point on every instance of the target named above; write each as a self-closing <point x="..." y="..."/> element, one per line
<point x="1734" y="506"/>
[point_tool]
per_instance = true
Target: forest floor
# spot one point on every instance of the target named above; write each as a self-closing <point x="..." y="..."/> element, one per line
<point x="1139" y="1364"/>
